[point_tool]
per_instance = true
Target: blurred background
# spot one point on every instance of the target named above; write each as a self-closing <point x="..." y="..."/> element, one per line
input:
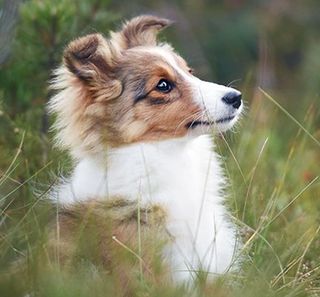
<point x="251" y="45"/>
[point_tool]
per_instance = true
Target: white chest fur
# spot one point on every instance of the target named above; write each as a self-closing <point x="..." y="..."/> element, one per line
<point x="185" y="177"/>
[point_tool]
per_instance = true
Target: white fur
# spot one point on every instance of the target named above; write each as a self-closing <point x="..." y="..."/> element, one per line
<point x="185" y="177"/>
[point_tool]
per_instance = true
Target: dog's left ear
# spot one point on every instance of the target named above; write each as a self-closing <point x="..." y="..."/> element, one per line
<point x="140" y="31"/>
<point x="90" y="58"/>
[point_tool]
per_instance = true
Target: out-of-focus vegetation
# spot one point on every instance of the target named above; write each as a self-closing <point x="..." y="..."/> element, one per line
<point x="272" y="162"/>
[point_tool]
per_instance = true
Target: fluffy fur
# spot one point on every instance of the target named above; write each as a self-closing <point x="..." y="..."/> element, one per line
<point x="131" y="139"/>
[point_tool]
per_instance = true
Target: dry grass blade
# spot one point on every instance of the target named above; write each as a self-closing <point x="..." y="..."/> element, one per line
<point x="304" y="253"/>
<point x="290" y="116"/>
<point x="6" y="174"/>
<point x="256" y="233"/>
<point x="234" y="158"/>
<point x="252" y="176"/>
<point x="292" y="201"/>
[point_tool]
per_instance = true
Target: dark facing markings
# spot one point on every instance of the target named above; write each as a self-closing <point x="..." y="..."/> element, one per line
<point x="152" y="100"/>
<point x="197" y="123"/>
<point x="157" y="101"/>
<point x="140" y="92"/>
<point x="140" y="98"/>
<point x="206" y="123"/>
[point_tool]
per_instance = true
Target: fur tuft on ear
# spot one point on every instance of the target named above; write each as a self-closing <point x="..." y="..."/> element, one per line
<point x="90" y="57"/>
<point x="141" y="30"/>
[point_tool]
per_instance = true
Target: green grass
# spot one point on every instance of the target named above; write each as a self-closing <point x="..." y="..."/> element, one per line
<point x="273" y="164"/>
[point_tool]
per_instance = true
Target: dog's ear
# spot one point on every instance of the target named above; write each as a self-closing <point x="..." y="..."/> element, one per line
<point x="90" y="58"/>
<point x="139" y="31"/>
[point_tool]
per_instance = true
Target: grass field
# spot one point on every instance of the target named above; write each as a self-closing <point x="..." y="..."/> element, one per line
<point x="272" y="159"/>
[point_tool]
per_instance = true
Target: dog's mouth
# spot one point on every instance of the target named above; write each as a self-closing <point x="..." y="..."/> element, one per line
<point x="194" y="124"/>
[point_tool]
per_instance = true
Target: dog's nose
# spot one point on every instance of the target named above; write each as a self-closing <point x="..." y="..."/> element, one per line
<point x="233" y="99"/>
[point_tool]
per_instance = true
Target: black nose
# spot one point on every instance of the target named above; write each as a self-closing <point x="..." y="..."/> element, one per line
<point x="233" y="99"/>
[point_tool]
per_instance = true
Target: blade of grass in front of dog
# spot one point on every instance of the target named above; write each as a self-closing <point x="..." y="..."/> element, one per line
<point x="295" y="262"/>
<point x="256" y="233"/>
<point x="139" y="213"/>
<point x="17" y="226"/>
<point x="7" y="172"/>
<point x="234" y="158"/>
<point x="304" y="254"/>
<point x="25" y="182"/>
<point x="139" y="238"/>
<point x="8" y="242"/>
<point x="203" y="197"/>
<point x="252" y="176"/>
<point x="292" y="201"/>
<point x="290" y="116"/>
<point x="132" y="252"/>
<point x="281" y="274"/>
<point x="126" y="248"/>
<point x="301" y="278"/>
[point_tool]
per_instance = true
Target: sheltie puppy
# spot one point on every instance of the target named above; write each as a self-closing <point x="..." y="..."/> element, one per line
<point x="137" y="123"/>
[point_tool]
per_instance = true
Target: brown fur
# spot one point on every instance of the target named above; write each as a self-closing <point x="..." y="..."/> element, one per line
<point x="106" y="234"/>
<point x="99" y="84"/>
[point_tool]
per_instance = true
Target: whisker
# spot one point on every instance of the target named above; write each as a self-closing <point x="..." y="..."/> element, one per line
<point x="186" y="120"/>
<point x="197" y="118"/>
<point x="234" y="81"/>
<point x="201" y="116"/>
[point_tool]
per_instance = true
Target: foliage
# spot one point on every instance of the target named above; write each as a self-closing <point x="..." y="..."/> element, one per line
<point x="43" y="32"/>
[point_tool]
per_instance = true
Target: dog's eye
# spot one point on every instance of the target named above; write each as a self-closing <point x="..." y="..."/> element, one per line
<point x="164" y="86"/>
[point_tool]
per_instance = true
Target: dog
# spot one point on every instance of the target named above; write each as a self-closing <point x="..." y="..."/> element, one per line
<point x="138" y="125"/>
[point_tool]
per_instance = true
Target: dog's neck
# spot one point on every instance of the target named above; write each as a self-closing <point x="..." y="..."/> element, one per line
<point x="146" y="171"/>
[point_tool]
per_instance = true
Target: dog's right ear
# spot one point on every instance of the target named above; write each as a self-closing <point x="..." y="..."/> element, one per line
<point x="90" y="58"/>
<point x="140" y="31"/>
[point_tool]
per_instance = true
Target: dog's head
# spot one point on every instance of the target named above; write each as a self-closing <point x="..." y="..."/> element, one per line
<point x="130" y="88"/>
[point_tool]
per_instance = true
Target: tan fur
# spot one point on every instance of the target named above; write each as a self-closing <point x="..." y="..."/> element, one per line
<point x="99" y="81"/>
<point x="107" y="235"/>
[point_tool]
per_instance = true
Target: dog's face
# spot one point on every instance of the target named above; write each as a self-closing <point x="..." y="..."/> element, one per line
<point x="129" y="88"/>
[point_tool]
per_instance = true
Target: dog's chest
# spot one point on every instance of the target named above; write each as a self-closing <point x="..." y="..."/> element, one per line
<point x="179" y="174"/>
<point x="172" y="173"/>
